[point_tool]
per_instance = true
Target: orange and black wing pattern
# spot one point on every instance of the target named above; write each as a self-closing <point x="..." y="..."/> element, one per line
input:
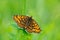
<point x="27" y="23"/>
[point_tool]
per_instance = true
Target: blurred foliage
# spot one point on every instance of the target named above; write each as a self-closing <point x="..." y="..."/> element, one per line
<point x="45" y="12"/>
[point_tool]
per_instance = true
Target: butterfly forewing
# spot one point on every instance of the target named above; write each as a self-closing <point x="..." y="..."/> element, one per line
<point x="27" y="23"/>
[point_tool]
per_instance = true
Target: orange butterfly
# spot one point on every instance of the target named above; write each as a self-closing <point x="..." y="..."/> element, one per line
<point x="27" y="23"/>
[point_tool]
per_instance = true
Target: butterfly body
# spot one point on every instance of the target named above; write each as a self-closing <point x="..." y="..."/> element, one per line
<point x="27" y="23"/>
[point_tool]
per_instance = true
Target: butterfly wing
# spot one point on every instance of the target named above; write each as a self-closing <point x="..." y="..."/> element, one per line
<point x="34" y="27"/>
<point x="22" y="21"/>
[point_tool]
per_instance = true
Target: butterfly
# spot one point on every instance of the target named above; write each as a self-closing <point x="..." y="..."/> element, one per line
<point x="27" y="23"/>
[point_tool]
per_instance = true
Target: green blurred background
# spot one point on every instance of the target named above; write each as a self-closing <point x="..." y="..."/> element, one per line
<point x="45" y="12"/>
